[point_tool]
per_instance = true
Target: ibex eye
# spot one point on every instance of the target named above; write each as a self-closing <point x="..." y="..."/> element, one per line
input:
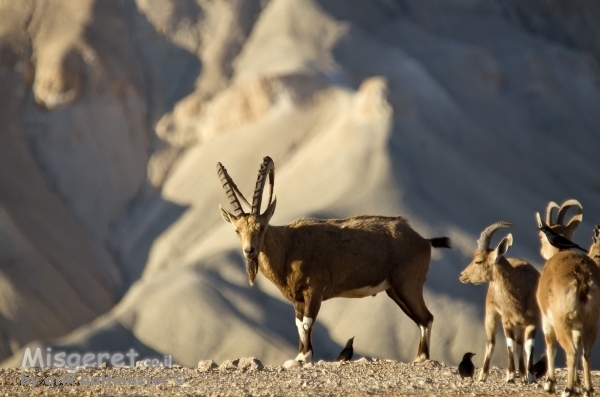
<point x="237" y="232"/>
<point x="479" y="262"/>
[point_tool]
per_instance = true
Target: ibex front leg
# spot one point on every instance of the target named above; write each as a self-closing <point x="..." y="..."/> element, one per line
<point x="491" y="324"/>
<point x="509" y="333"/>
<point x="299" y="309"/>
<point x="312" y="304"/>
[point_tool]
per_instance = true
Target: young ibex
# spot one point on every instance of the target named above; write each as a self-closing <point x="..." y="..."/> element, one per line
<point x="312" y="260"/>
<point x="569" y="299"/>
<point x="547" y="250"/>
<point x="510" y="298"/>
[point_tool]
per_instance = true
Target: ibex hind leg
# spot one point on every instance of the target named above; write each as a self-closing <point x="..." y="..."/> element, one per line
<point x="588" y="340"/>
<point x="550" y="339"/>
<point x="414" y="307"/>
<point x="569" y="343"/>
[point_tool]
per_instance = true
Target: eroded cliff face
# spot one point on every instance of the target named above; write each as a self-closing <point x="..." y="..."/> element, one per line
<point x="113" y="115"/>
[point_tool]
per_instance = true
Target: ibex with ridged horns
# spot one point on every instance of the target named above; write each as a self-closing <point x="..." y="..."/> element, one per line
<point x="547" y="250"/>
<point x="569" y="299"/>
<point x="313" y="260"/>
<point x="510" y="299"/>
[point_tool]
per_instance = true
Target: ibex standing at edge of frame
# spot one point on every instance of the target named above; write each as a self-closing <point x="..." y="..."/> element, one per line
<point x="569" y="298"/>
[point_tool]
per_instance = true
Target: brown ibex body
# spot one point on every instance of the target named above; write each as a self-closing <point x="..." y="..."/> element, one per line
<point x="312" y="260"/>
<point x="569" y="300"/>
<point x="510" y="300"/>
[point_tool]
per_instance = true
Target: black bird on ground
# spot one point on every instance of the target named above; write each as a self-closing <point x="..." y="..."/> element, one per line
<point x="466" y="368"/>
<point x="346" y="354"/>
<point x="539" y="369"/>
<point x="558" y="241"/>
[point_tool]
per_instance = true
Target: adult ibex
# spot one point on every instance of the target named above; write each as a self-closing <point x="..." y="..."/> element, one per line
<point x="312" y="260"/>
<point x="510" y="299"/>
<point x="569" y="299"/>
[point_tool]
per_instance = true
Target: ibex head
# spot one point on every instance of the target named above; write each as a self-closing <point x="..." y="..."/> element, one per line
<point x="547" y="250"/>
<point x="250" y="228"/>
<point x="480" y="270"/>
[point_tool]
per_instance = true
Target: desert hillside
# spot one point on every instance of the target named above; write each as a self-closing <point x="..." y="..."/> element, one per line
<point x="453" y="114"/>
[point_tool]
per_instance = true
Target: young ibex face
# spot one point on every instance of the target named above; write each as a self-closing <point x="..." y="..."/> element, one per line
<point x="480" y="270"/>
<point x="547" y="250"/>
<point x="251" y="228"/>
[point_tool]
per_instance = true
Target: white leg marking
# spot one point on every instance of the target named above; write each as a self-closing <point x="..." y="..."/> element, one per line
<point x="490" y="349"/>
<point x="429" y="326"/>
<point x="529" y="346"/>
<point x="528" y="355"/>
<point x="304" y="357"/>
<point x="510" y="344"/>
<point x="303" y="329"/>
<point x="510" y="376"/>
<point x="425" y="334"/>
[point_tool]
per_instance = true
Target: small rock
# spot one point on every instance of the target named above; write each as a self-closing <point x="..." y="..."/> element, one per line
<point x="363" y="360"/>
<point x="206" y="365"/>
<point x="140" y="364"/>
<point x="229" y="364"/>
<point x="74" y="370"/>
<point x="292" y="364"/>
<point x="250" y="363"/>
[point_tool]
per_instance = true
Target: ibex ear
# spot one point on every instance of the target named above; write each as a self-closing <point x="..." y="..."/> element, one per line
<point x="271" y="208"/>
<point x="502" y="248"/>
<point x="229" y="217"/>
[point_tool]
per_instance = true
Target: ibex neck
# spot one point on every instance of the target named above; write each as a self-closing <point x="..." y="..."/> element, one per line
<point x="502" y="271"/>
<point x="271" y="259"/>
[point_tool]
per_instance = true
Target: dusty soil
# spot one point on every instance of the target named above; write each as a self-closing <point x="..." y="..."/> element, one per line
<point x="356" y="378"/>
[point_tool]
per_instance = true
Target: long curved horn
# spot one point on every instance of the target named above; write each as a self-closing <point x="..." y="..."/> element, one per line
<point x="565" y="207"/>
<point x="484" y="240"/>
<point x="551" y="206"/>
<point x="231" y="190"/>
<point x="267" y="167"/>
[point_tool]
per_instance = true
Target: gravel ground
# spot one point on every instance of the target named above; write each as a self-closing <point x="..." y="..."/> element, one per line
<point x="248" y="378"/>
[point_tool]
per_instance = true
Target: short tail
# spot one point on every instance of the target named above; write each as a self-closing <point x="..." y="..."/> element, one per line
<point x="440" y="242"/>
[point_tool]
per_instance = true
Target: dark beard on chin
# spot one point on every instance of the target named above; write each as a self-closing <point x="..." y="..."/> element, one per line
<point x="252" y="269"/>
